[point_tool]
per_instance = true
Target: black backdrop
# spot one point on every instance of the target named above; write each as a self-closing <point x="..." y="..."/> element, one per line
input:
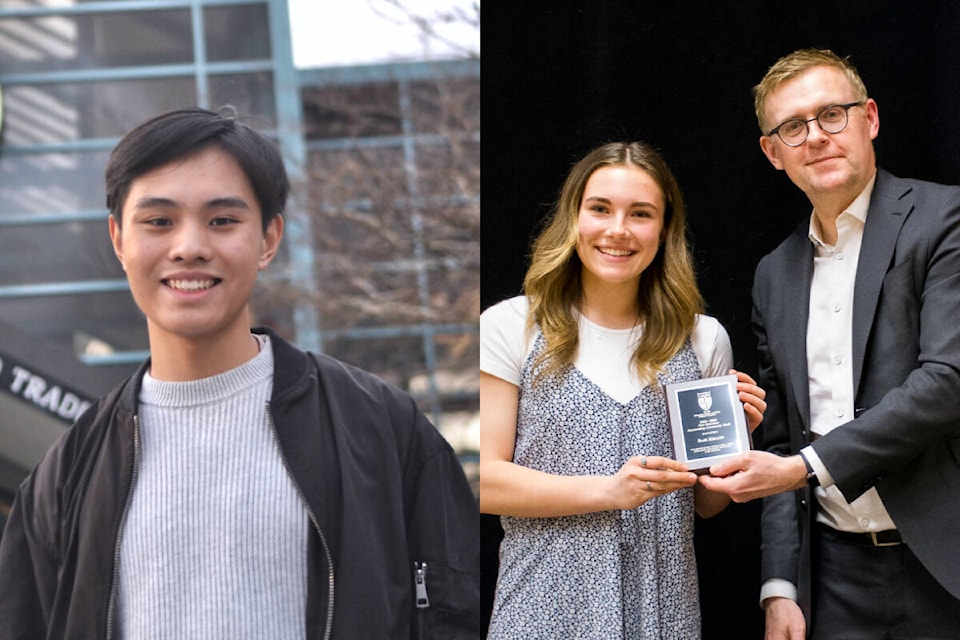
<point x="559" y="78"/>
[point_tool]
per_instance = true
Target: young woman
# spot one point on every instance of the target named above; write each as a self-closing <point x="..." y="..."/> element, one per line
<point x="575" y="450"/>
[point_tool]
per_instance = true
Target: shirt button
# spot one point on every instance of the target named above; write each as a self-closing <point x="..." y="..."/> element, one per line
<point x="836" y="307"/>
<point x="839" y="413"/>
<point x="864" y="522"/>
<point x="839" y="255"/>
<point x="837" y="359"/>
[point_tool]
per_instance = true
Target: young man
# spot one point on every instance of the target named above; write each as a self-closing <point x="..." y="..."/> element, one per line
<point x="235" y="486"/>
<point x="856" y="315"/>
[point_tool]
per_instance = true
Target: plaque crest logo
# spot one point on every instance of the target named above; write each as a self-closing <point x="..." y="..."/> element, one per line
<point x="705" y="400"/>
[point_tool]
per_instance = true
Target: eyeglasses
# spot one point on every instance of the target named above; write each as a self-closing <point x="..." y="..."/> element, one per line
<point x="831" y="119"/>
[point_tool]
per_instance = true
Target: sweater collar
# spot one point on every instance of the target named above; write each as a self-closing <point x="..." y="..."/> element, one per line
<point x="291" y="373"/>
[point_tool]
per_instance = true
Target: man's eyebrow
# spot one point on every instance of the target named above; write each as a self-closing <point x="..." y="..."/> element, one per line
<point x="227" y="202"/>
<point x="151" y="202"/>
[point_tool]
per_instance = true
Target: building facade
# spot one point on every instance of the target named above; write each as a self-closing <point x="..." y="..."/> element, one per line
<point x="381" y="253"/>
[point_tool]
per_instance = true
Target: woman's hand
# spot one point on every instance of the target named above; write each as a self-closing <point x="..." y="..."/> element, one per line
<point x="644" y="477"/>
<point x="752" y="396"/>
<point x="510" y="489"/>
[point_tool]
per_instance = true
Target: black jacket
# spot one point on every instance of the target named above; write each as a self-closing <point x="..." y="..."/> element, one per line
<point x="385" y="495"/>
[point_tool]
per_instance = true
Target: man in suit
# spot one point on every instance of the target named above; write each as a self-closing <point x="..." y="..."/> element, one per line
<point x="857" y="316"/>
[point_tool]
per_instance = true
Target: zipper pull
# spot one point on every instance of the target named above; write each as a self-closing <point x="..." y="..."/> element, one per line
<point x="420" y="584"/>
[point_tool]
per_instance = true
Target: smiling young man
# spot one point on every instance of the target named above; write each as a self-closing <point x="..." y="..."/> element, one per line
<point x="859" y="348"/>
<point x="234" y="486"/>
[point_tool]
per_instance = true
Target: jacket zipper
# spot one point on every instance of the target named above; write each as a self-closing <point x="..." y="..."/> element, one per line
<point x="420" y="590"/>
<point x="328" y="626"/>
<point x="112" y="605"/>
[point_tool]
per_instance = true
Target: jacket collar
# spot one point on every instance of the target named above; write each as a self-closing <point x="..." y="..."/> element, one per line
<point x="291" y="373"/>
<point x="890" y="206"/>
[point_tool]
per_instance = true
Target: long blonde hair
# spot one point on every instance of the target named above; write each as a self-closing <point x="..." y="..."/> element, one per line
<point x="668" y="299"/>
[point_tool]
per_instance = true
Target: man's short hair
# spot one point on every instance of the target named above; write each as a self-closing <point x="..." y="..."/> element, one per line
<point x="182" y="133"/>
<point x="792" y="65"/>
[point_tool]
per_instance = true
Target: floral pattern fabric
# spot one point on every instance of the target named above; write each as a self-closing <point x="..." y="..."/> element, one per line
<point x="612" y="575"/>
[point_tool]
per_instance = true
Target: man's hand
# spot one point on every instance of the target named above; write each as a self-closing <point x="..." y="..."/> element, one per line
<point x="756" y="474"/>
<point x="784" y="620"/>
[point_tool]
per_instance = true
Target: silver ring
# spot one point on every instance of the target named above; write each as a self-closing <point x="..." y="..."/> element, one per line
<point x="649" y="488"/>
<point x="643" y="461"/>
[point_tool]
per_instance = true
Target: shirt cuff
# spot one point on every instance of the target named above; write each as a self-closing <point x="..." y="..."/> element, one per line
<point x="777" y="588"/>
<point x="823" y="476"/>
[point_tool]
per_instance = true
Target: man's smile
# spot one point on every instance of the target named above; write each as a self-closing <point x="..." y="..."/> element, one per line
<point x="190" y="285"/>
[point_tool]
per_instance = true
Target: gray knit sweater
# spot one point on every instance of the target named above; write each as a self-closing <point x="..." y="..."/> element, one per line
<point x="215" y="541"/>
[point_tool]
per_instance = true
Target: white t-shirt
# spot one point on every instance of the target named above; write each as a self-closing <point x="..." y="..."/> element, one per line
<point x="604" y="355"/>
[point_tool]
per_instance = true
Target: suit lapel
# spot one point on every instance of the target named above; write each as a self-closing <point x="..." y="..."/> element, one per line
<point x="796" y="298"/>
<point x="890" y="205"/>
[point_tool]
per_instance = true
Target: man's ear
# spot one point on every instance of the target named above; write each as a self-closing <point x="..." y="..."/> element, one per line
<point x="116" y="239"/>
<point x="271" y="241"/>
<point x="772" y="151"/>
<point x="873" y="117"/>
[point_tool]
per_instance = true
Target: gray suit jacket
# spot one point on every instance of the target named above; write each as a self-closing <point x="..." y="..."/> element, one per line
<point x="905" y="438"/>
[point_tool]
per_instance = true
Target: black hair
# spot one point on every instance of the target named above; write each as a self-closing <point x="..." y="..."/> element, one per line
<point x="182" y="133"/>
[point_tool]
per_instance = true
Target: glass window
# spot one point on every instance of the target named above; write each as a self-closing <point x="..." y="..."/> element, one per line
<point x="453" y="290"/>
<point x="237" y="33"/>
<point x="84" y="41"/>
<point x="459" y="352"/>
<point x="396" y="360"/>
<point x="358" y="175"/>
<point x="451" y="104"/>
<point x="354" y="233"/>
<point x="250" y="93"/>
<point x="449" y="168"/>
<point x="58" y="253"/>
<point x="367" y="295"/>
<point x="274" y="297"/>
<point x="50" y="113"/>
<point x="72" y="321"/>
<point x="351" y="111"/>
<point x="451" y="231"/>
<point x="51" y="182"/>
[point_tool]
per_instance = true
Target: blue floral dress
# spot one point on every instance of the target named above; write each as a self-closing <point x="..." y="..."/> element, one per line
<point x="612" y="575"/>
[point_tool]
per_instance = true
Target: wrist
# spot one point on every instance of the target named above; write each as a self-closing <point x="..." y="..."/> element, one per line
<point x="810" y="476"/>
<point x="798" y="471"/>
<point x="773" y="600"/>
<point x="606" y="493"/>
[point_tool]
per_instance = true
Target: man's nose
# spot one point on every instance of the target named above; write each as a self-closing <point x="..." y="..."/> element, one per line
<point x="815" y="132"/>
<point x="191" y="243"/>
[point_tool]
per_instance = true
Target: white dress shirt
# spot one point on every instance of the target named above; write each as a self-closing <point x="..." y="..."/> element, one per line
<point x="830" y="362"/>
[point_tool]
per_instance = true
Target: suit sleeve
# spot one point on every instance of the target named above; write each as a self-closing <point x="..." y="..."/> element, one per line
<point x="779" y="519"/>
<point x="915" y="328"/>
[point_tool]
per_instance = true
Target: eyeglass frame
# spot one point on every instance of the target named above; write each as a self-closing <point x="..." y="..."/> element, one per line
<point x="846" y="112"/>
